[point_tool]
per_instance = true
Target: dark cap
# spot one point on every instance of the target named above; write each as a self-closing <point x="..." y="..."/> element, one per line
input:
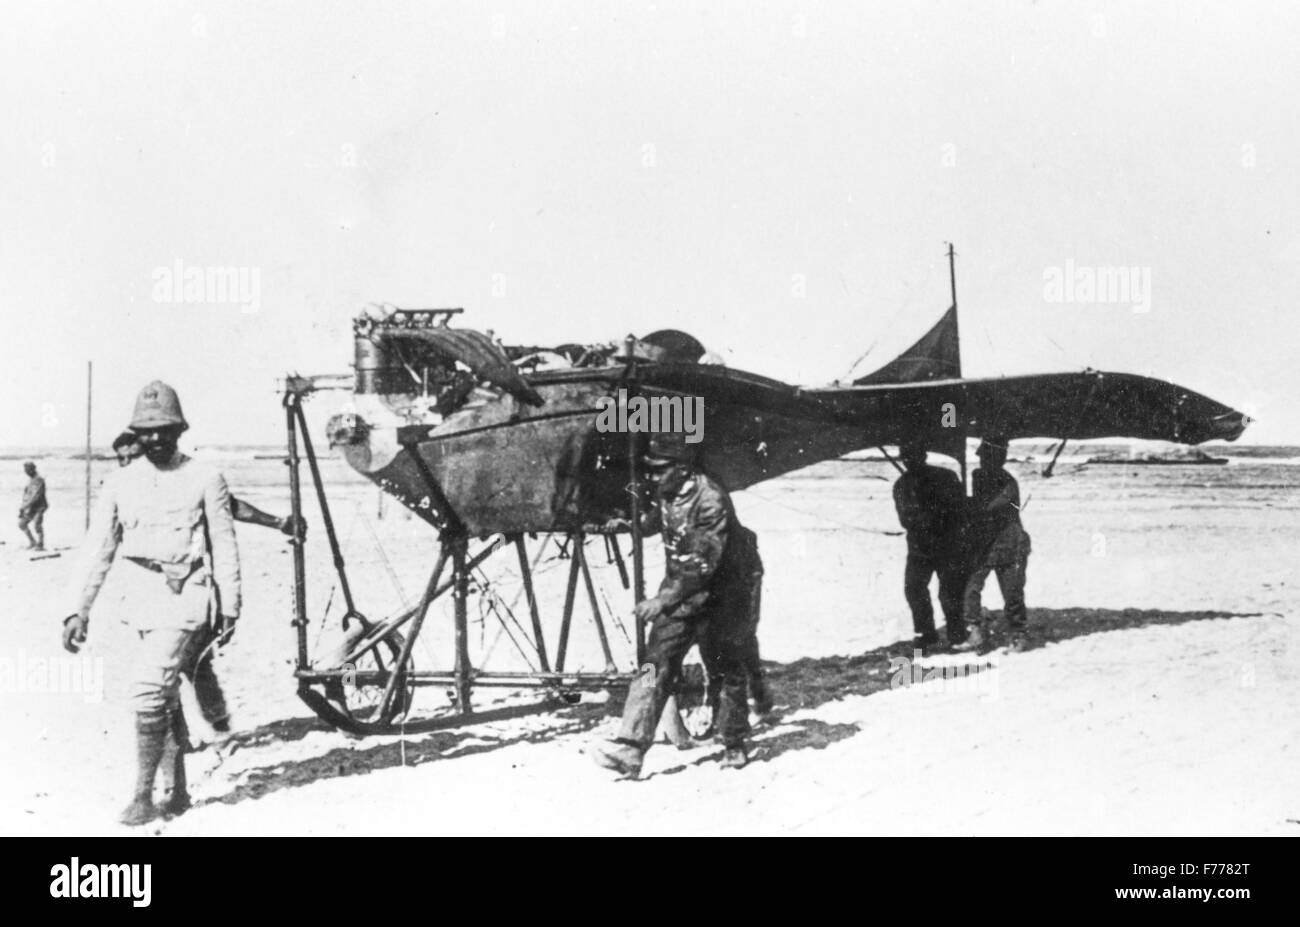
<point x="667" y="447"/>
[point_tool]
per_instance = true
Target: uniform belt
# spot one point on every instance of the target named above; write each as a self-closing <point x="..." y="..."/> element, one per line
<point x="175" y="584"/>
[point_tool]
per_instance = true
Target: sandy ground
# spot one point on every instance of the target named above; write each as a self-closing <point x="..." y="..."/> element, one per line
<point x="1160" y="695"/>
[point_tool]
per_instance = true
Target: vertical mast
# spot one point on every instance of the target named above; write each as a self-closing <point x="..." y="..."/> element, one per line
<point x="952" y="280"/>
<point x="90" y="369"/>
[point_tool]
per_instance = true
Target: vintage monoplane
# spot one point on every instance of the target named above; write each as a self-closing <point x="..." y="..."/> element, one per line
<point x="498" y="445"/>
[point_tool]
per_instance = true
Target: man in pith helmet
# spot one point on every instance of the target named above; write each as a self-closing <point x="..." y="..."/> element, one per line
<point x="197" y="666"/>
<point x="168" y="521"/>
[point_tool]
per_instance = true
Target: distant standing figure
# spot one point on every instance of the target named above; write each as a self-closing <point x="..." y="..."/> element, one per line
<point x="31" y="514"/>
<point x="930" y="502"/>
<point x="1001" y="547"/>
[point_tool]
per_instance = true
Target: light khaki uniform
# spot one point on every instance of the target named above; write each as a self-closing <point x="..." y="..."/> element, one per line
<point x="173" y="529"/>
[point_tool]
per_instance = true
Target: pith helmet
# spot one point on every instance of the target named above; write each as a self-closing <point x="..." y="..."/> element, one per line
<point x="158" y="406"/>
<point x="668" y="446"/>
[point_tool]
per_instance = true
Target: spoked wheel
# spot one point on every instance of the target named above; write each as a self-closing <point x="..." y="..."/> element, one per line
<point x="352" y="700"/>
<point x="361" y="700"/>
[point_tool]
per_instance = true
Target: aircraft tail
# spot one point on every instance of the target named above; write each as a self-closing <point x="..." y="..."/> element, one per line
<point x="935" y="356"/>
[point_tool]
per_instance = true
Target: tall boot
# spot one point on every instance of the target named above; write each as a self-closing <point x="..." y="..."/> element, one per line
<point x="151" y="736"/>
<point x="759" y="693"/>
<point x="207" y="690"/>
<point x="176" y="795"/>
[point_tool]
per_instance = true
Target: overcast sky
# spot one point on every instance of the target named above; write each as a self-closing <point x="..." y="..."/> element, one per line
<point x="778" y="179"/>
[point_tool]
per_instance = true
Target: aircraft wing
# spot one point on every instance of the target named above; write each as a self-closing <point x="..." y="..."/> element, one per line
<point x="1078" y="406"/>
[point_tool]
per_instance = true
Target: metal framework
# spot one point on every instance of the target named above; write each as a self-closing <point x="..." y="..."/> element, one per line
<point x="368" y="686"/>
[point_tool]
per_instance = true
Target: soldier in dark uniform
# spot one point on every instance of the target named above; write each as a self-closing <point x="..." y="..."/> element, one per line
<point x="1000" y="545"/>
<point x="705" y="598"/>
<point x="930" y="502"/>
<point x="748" y="603"/>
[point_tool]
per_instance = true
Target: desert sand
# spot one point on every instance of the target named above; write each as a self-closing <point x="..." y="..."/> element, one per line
<point x="1160" y="694"/>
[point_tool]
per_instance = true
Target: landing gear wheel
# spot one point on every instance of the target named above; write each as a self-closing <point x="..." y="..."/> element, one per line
<point x="362" y="702"/>
<point x="351" y="701"/>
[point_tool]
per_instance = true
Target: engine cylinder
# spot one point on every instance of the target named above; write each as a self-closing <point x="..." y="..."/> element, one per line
<point x="374" y="371"/>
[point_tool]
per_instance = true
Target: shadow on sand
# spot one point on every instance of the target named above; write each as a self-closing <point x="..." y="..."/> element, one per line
<point x="445" y="736"/>
<point x="802" y="684"/>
